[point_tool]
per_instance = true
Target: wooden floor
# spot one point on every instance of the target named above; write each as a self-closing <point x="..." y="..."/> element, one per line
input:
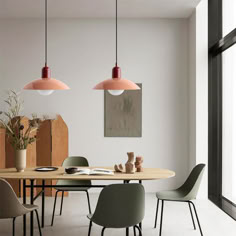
<point x="177" y="220"/>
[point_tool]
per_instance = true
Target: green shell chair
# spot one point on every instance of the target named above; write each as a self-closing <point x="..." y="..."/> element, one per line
<point x="119" y="206"/>
<point x="187" y="192"/>
<point x="72" y="161"/>
<point x="10" y="206"/>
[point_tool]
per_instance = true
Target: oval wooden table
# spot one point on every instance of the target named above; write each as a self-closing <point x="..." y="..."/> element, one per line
<point x="32" y="175"/>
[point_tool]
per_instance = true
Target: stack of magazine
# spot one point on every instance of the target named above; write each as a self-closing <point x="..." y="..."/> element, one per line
<point x="96" y="171"/>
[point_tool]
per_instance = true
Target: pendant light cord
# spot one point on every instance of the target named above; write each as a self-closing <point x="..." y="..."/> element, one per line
<point x="116" y="36"/>
<point x="46" y="32"/>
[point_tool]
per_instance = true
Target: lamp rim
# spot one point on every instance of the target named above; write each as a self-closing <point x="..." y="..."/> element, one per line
<point x="46" y="84"/>
<point x="116" y="84"/>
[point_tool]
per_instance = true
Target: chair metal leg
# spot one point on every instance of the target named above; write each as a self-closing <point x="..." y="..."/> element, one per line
<point x="139" y="230"/>
<point x="127" y="231"/>
<point x="197" y="217"/>
<point x="89" y="206"/>
<point x="37" y="216"/>
<point x="90" y="226"/>
<point x="140" y="225"/>
<point x="53" y="213"/>
<point x="162" y="208"/>
<point x="192" y="215"/>
<point x="62" y="198"/>
<point x="13" y="226"/>
<point x="155" y="224"/>
<point x="103" y="229"/>
<point x="134" y="231"/>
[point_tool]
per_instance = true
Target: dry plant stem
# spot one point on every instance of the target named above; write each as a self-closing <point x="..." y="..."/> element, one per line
<point x="12" y="122"/>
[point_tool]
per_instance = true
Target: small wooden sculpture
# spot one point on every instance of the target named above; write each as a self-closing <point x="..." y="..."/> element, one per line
<point x="129" y="166"/>
<point x="118" y="168"/>
<point x="138" y="164"/>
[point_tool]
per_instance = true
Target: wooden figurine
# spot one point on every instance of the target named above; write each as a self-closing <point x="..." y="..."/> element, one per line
<point x="129" y="166"/>
<point x="138" y="164"/>
<point x="118" y="168"/>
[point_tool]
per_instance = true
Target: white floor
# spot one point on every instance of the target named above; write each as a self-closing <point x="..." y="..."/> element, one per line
<point x="177" y="220"/>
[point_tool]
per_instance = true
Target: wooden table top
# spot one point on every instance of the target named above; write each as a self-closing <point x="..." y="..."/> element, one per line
<point x="30" y="173"/>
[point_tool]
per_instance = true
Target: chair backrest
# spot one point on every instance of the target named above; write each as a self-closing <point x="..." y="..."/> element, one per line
<point x="74" y="161"/>
<point x="192" y="184"/>
<point x="120" y="206"/>
<point x="10" y="206"/>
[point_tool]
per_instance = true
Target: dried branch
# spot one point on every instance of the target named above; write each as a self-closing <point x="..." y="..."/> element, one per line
<point x="12" y="122"/>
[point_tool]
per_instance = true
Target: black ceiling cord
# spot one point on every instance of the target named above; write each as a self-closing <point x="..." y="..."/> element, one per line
<point x="116" y="35"/>
<point x="46" y="32"/>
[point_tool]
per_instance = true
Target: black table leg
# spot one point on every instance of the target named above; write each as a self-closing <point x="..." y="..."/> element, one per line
<point x="32" y="202"/>
<point x="43" y="203"/>
<point x="140" y="224"/>
<point x="24" y="202"/>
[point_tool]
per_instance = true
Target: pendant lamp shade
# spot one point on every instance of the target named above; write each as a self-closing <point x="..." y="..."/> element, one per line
<point x="116" y="82"/>
<point x="46" y="85"/>
<point x="116" y="85"/>
<point x="46" y="82"/>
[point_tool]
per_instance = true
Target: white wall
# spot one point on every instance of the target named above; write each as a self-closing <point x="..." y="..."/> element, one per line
<point x="192" y="90"/>
<point x="198" y="91"/>
<point x="153" y="52"/>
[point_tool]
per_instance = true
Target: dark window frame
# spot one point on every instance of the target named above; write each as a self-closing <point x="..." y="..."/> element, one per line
<point x="217" y="45"/>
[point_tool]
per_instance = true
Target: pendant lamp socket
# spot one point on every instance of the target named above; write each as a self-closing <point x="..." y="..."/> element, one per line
<point x="116" y="72"/>
<point x="46" y="72"/>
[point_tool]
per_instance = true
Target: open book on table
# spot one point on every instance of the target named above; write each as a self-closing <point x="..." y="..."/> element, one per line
<point x="96" y="171"/>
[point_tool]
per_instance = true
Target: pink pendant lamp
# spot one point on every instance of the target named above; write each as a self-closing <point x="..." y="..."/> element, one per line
<point x="116" y="85"/>
<point x="46" y="85"/>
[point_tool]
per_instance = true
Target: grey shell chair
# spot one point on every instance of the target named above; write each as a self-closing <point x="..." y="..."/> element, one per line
<point x="10" y="206"/>
<point x="70" y="162"/>
<point x="187" y="192"/>
<point x="119" y="206"/>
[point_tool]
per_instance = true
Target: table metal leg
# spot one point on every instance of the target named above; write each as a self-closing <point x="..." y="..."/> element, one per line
<point x="127" y="231"/>
<point x="24" y="202"/>
<point x="43" y="203"/>
<point x="140" y="224"/>
<point x="140" y="182"/>
<point x="32" y="202"/>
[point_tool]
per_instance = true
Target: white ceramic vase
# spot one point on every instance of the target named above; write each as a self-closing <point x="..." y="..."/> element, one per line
<point x="20" y="160"/>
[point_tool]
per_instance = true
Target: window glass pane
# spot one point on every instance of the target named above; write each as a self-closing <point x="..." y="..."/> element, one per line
<point x="229" y="16"/>
<point x="229" y="125"/>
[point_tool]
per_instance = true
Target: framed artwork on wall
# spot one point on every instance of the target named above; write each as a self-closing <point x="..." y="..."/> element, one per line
<point x="123" y="114"/>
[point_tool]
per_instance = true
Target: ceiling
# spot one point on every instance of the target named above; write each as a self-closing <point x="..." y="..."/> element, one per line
<point x="97" y="8"/>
